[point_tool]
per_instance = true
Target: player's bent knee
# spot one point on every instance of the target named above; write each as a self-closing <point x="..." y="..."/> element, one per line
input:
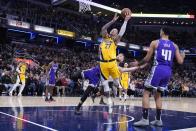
<point x="86" y="93"/>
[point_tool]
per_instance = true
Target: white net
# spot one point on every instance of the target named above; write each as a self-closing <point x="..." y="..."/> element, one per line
<point x="83" y="7"/>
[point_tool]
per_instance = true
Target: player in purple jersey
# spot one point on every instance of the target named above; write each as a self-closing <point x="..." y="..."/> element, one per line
<point x="164" y="52"/>
<point x="94" y="76"/>
<point x="51" y="79"/>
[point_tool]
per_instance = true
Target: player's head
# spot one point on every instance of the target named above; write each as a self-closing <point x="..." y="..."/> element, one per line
<point x="55" y="60"/>
<point x="125" y="65"/>
<point x="120" y="57"/>
<point x="114" y="32"/>
<point x="164" y="32"/>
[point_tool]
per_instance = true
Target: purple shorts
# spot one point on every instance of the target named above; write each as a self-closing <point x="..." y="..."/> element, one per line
<point x="51" y="81"/>
<point x="159" y="77"/>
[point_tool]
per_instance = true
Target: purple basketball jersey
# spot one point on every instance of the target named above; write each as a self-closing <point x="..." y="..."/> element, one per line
<point x="93" y="75"/>
<point x="52" y="73"/>
<point x="161" y="70"/>
<point x="164" y="53"/>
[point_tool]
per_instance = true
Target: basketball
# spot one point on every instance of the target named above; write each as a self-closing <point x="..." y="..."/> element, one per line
<point x="125" y="11"/>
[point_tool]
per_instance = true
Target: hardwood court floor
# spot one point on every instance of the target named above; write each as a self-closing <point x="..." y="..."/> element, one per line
<point x="33" y="113"/>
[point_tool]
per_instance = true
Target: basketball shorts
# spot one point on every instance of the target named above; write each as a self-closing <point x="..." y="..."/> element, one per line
<point x="124" y="84"/>
<point x="159" y="77"/>
<point x="21" y="79"/>
<point x="51" y="81"/>
<point x="109" y="69"/>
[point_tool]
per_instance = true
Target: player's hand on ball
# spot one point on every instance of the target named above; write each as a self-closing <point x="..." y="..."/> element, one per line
<point x="115" y="17"/>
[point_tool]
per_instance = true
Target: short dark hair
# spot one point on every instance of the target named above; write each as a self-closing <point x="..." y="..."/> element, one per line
<point x="166" y="30"/>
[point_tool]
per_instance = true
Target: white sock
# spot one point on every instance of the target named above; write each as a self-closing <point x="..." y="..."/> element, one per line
<point x="125" y="96"/>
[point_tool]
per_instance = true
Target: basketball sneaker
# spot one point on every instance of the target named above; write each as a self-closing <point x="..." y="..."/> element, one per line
<point x="142" y="122"/>
<point x="157" y="122"/>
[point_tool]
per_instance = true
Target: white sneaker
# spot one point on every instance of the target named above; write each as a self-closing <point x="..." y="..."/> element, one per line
<point x="10" y="93"/>
<point x="157" y="122"/>
<point x="142" y="122"/>
<point x="19" y="94"/>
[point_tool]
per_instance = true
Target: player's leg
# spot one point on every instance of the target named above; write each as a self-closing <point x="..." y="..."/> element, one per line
<point x="102" y="96"/>
<point x="151" y="83"/>
<point x="125" y="87"/>
<point x="107" y="91"/>
<point x="125" y="95"/>
<point x="158" y="101"/>
<point x="83" y="98"/>
<point x="46" y="93"/>
<point x="22" y="87"/>
<point x="14" y="86"/>
<point x="94" y="94"/>
<point x="115" y="74"/>
<point x="51" y="89"/>
<point x="145" y="107"/>
<point x="120" y="90"/>
<point x="104" y="79"/>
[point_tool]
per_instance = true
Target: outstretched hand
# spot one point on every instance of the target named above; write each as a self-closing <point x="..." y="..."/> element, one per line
<point x="115" y="18"/>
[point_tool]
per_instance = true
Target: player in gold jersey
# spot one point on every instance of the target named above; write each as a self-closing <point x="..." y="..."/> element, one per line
<point x="124" y="83"/>
<point x="21" y="76"/>
<point x="107" y="53"/>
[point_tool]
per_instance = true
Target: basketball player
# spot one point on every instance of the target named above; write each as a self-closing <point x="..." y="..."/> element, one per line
<point x="107" y="53"/>
<point x="21" y="78"/>
<point x="51" y="72"/>
<point x="164" y="52"/>
<point x="124" y="83"/>
<point x="93" y="75"/>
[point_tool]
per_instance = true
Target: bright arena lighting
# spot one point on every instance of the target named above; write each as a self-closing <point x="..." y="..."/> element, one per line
<point x="187" y="16"/>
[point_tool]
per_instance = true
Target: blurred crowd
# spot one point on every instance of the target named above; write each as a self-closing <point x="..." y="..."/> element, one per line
<point x="72" y="59"/>
<point x="88" y="25"/>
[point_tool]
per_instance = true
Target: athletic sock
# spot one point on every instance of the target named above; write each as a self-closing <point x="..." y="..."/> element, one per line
<point x="145" y="113"/>
<point x="158" y="115"/>
<point x="101" y="99"/>
<point x="125" y="96"/>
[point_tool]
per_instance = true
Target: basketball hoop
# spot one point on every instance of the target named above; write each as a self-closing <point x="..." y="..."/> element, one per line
<point x="84" y="6"/>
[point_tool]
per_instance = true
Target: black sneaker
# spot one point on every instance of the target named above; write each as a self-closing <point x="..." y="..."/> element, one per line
<point x="77" y="112"/>
<point x="102" y="103"/>
<point x="51" y="99"/>
<point x="46" y="99"/>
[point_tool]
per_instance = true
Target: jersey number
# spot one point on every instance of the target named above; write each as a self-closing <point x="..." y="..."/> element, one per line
<point x="166" y="54"/>
<point x="107" y="46"/>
